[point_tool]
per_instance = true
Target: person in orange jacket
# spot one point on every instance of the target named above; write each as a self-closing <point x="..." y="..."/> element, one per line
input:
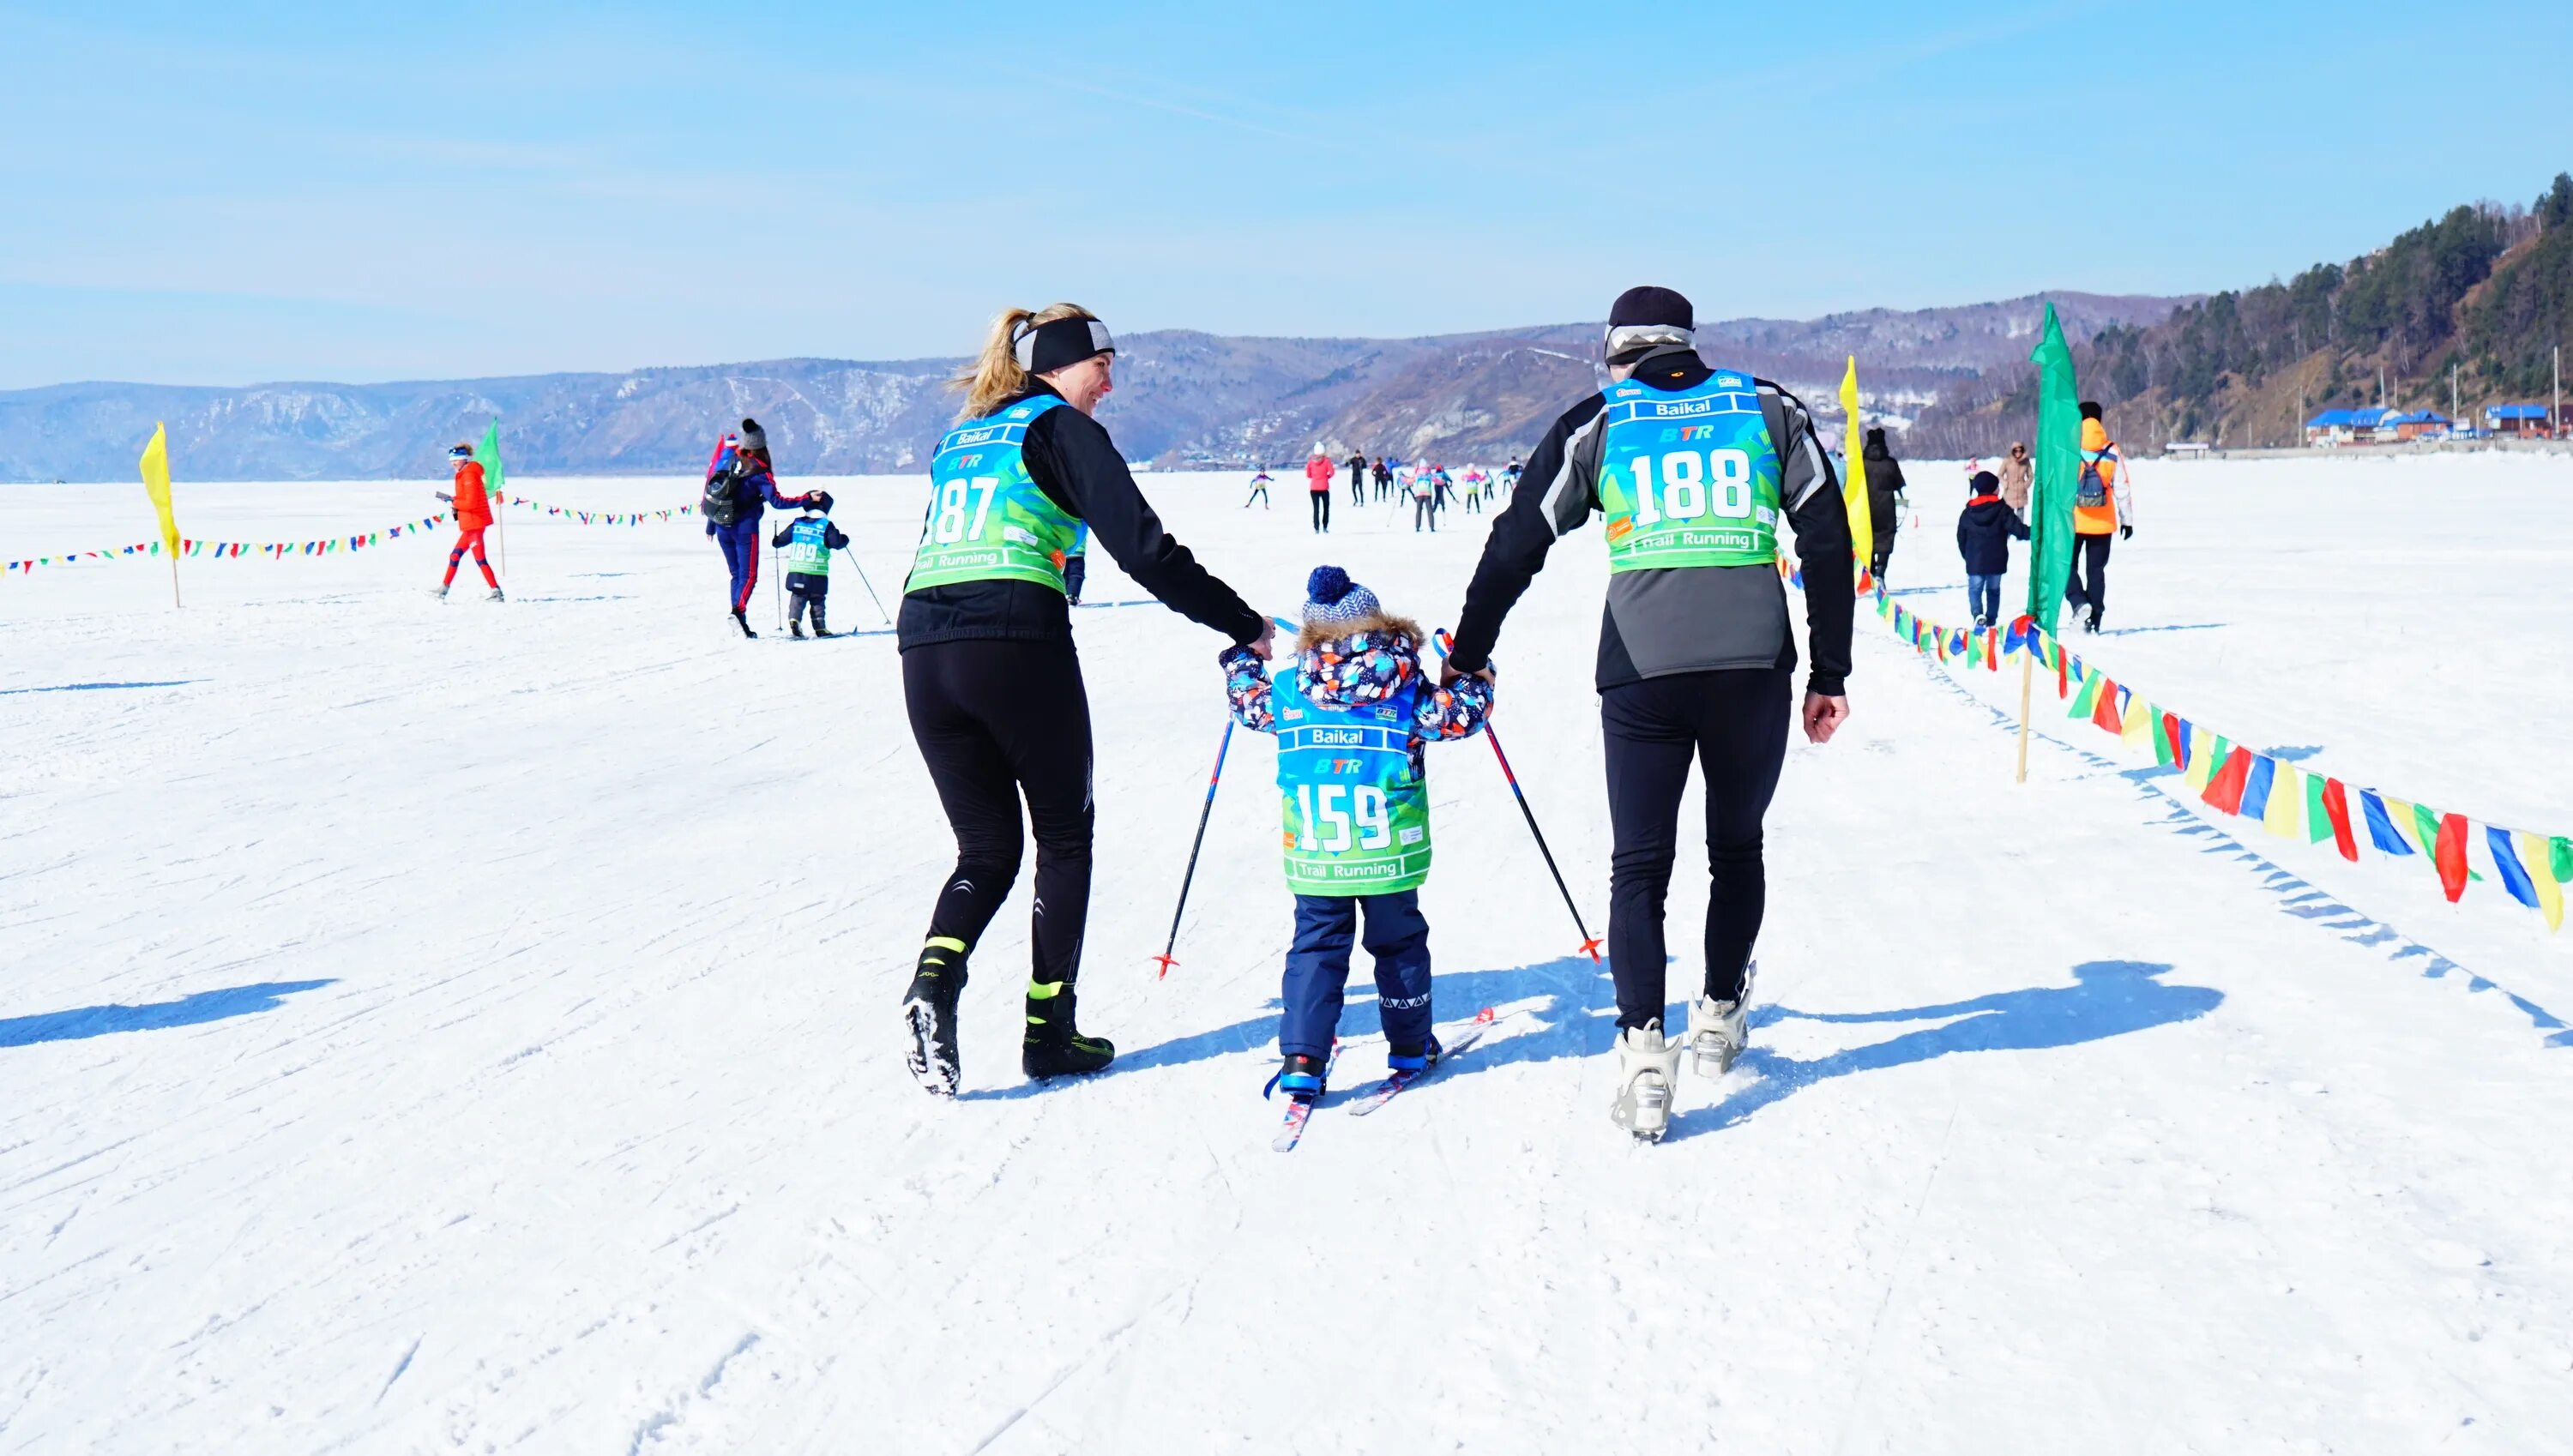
<point x="473" y="519"/>
<point x="1319" y="475"/>
<point x="2103" y="513"/>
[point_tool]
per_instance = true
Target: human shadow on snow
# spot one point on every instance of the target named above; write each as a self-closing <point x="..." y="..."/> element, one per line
<point x="2107" y="998"/>
<point x="1577" y="1016"/>
<point x="186" y="1010"/>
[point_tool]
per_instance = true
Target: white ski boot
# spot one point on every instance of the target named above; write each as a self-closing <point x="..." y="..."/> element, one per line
<point x="442" y="593"/>
<point x="1719" y="1029"/>
<point x="1647" y="1067"/>
<point x="495" y="595"/>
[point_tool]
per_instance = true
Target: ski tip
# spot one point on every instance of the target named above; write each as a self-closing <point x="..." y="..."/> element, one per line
<point x="1483" y="1017"/>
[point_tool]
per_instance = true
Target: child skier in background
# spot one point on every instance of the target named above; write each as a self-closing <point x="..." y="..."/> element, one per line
<point x="1352" y="718"/>
<point x="1984" y="532"/>
<point x="473" y="519"/>
<point x="808" y="540"/>
<point x="1258" y="490"/>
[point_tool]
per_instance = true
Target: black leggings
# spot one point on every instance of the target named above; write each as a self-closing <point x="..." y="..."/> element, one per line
<point x="2094" y="552"/>
<point x="998" y="721"/>
<point x="1321" y="509"/>
<point x="1734" y="723"/>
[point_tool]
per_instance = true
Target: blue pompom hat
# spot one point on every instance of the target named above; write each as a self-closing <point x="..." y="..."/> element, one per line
<point x="1333" y="600"/>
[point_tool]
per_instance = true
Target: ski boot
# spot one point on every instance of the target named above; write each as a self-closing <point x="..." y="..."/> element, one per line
<point x="1719" y="1029"/>
<point x="442" y="593"/>
<point x="929" y="1014"/>
<point x="796" y="628"/>
<point x="1413" y="1058"/>
<point x="1301" y="1078"/>
<point x="819" y="630"/>
<point x="495" y="595"/>
<point x="1052" y="1047"/>
<point x="1647" y="1067"/>
<point x="742" y="620"/>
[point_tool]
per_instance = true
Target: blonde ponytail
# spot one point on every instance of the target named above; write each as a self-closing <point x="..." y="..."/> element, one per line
<point x="996" y="374"/>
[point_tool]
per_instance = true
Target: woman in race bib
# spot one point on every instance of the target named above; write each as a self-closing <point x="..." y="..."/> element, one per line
<point x="1693" y="469"/>
<point x="989" y="674"/>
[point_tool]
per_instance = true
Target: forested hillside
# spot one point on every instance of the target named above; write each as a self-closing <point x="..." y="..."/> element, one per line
<point x="2487" y="289"/>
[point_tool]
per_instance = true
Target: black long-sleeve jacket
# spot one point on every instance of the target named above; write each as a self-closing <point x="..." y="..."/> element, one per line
<point x="1071" y="460"/>
<point x="1679" y="620"/>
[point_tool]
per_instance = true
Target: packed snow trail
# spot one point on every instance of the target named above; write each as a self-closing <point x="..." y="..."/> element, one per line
<point x="455" y="1026"/>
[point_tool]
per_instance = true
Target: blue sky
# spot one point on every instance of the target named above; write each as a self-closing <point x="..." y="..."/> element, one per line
<point x="239" y="192"/>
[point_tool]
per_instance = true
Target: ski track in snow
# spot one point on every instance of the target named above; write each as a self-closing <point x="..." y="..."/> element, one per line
<point x="453" y="1027"/>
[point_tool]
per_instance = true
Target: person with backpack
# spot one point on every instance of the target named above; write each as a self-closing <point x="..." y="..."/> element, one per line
<point x="1984" y="531"/>
<point x="1696" y="655"/>
<point x="2103" y="514"/>
<point x="1318" y="472"/>
<point x="740" y="486"/>
<point x="808" y="541"/>
<point x="1352" y="718"/>
<point x="473" y="518"/>
<point x="991" y="682"/>
<point x="1884" y="483"/>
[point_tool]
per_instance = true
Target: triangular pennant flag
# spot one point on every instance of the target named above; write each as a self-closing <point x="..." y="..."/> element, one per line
<point x="2224" y="788"/>
<point x="2137" y="728"/>
<point x="2505" y="859"/>
<point x="2318" y="824"/>
<point x="2380" y="824"/>
<point x="2541" y="878"/>
<point x="2166" y="740"/>
<point x="2104" y="714"/>
<point x="2254" y="802"/>
<point x="2284" y="815"/>
<point x="2337" y="805"/>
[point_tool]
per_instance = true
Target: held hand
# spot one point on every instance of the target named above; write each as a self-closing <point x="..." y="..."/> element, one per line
<point x="1824" y="716"/>
<point x="1265" y="646"/>
<point x="1448" y="675"/>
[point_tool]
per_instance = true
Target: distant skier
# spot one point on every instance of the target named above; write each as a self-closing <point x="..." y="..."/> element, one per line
<point x="1358" y="477"/>
<point x="1352" y="718"/>
<point x="1424" y="497"/>
<point x="1258" y="490"/>
<point x="1383" y="480"/>
<point x="1696" y="659"/>
<point x="990" y="679"/>
<point x="1884" y="485"/>
<point x="808" y="540"/>
<point x="1984" y="531"/>
<point x="2103" y="514"/>
<point x="1510" y="474"/>
<point x="740" y="486"/>
<point x="1318" y="472"/>
<point x="473" y="519"/>
<point x="1474" y="483"/>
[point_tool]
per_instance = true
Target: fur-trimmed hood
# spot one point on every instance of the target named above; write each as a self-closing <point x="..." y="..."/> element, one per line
<point x="1354" y="664"/>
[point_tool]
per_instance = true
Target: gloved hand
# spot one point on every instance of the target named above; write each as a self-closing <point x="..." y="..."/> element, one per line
<point x="2126" y="533"/>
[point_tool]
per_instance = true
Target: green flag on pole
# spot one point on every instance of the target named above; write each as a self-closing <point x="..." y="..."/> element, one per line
<point x="2058" y="466"/>
<point x="488" y="455"/>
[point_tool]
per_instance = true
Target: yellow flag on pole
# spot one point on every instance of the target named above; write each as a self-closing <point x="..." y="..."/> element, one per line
<point x="1854" y="487"/>
<point x="156" y="484"/>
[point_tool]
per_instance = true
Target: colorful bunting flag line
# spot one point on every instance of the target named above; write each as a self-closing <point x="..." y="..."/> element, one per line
<point x="274" y="550"/>
<point x="279" y="550"/>
<point x="2291" y="802"/>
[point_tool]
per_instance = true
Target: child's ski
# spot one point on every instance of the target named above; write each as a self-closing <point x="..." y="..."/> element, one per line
<point x="1300" y="1110"/>
<point x="1385" y="1090"/>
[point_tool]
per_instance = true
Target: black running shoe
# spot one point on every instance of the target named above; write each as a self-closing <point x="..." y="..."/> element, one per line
<point x="1053" y="1047"/>
<point x="929" y="1015"/>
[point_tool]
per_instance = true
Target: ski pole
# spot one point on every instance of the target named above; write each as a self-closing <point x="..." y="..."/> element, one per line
<point x="869" y="585"/>
<point x="1165" y="959"/>
<point x="777" y="588"/>
<point x="1590" y="942"/>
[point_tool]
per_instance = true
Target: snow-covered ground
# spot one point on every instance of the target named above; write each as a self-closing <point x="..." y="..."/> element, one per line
<point x="437" y="1027"/>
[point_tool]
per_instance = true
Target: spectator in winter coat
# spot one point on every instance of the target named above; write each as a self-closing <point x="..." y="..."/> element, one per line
<point x="473" y="518"/>
<point x="740" y="486"/>
<point x="1884" y="478"/>
<point x="1984" y="532"/>
<point x="1318" y="483"/>
<point x="2019" y="473"/>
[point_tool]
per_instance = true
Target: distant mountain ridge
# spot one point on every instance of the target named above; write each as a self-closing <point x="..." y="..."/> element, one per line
<point x="1183" y="399"/>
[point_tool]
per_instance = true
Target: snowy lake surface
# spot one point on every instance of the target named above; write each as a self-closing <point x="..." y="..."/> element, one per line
<point x="467" y="1027"/>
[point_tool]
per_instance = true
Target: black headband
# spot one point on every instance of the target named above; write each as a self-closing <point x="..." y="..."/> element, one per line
<point x="1062" y="344"/>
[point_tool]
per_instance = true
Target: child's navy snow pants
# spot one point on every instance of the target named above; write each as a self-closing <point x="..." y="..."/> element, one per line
<point x="1317" y="969"/>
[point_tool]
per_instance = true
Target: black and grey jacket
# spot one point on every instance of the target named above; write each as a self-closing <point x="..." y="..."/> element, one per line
<point x="1690" y="619"/>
